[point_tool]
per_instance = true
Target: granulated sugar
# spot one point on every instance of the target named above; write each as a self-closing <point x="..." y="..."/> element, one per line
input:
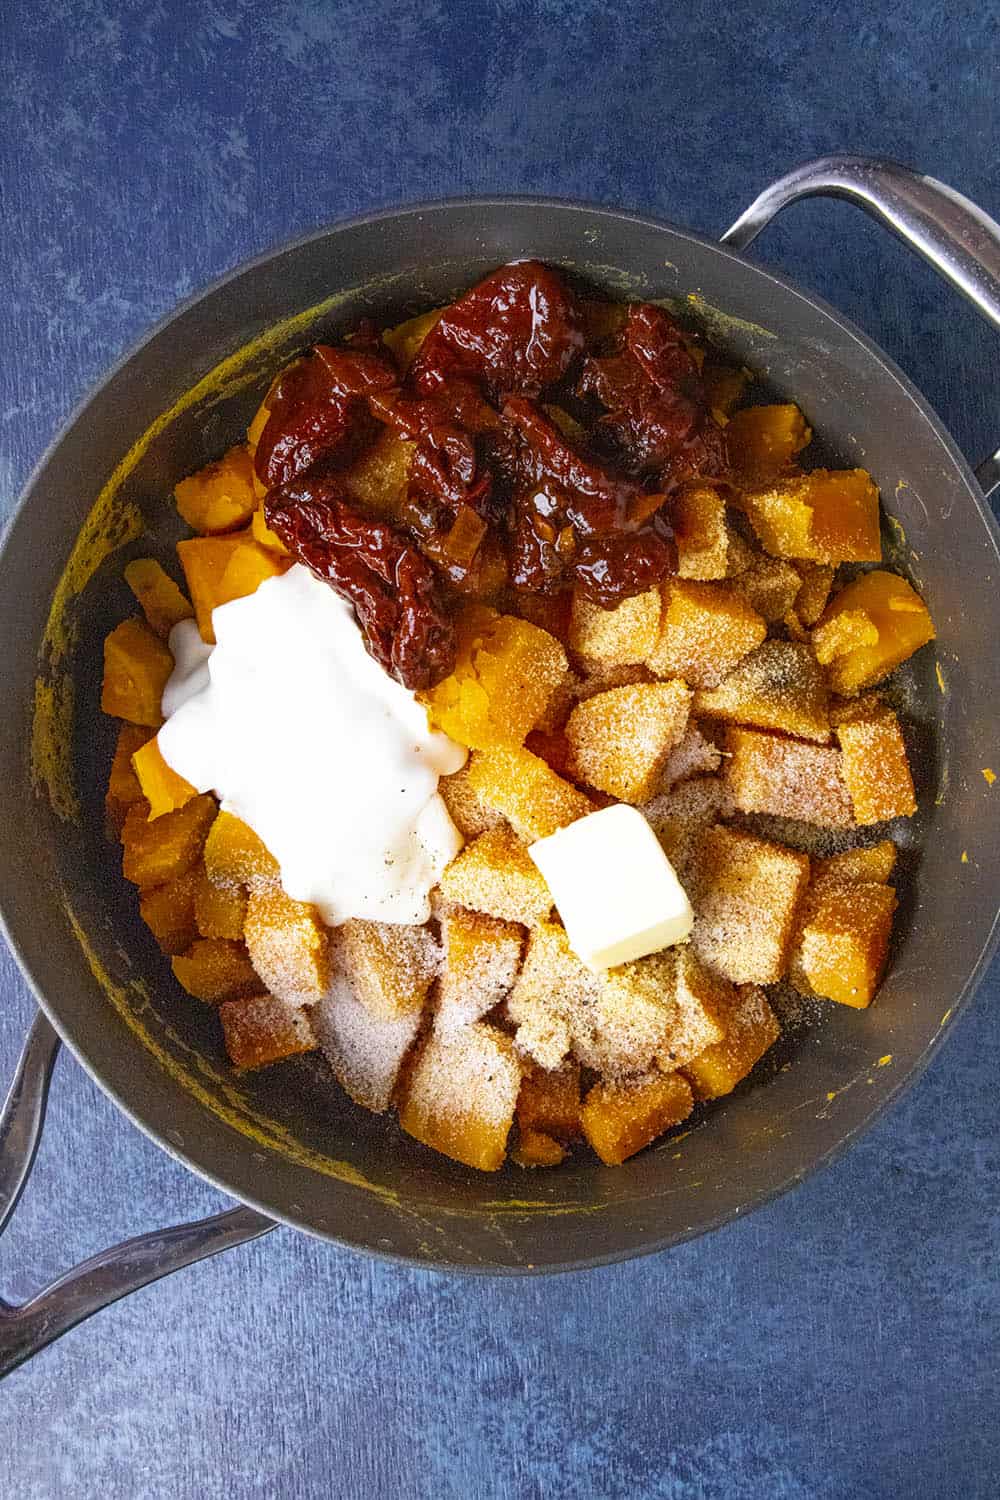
<point x="365" y="1051"/>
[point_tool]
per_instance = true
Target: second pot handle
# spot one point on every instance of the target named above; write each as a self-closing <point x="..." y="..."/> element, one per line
<point x="947" y="229"/>
<point x="111" y="1274"/>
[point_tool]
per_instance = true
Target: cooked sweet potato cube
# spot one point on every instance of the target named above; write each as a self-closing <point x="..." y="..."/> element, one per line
<point x="552" y="991"/>
<point x="379" y="479"/>
<point x="219" y="910"/>
<point x="153" y="853"/>
<point x="681" y="816"/>
<point x="495" y="874"/>
<point x="763" y="440"/>
<point x="391" y="966"/>
<point x="899" y="618"/>
<point x="235" y="856"/>
<point x="631" y="1020"/>
<point x="778" y="686"/>
<point x="620" y="740"/>
<point x="466" y="810"/>
<point x="461" y="1095"/>
<point x="703" y="1002"/>
<point x="536" y="1149"/>
<point x="623" y="636"/>
<point x="745" y="905"/>
<point x="405" y="339"/>
<point x="123" y="784"/>
<point x="843" y="941"/>
<point x="263" y="534"/>
<point x="703" y="535"/>
<point x="875" y="766"/>
<point x="161" y="600"/>
<point x="693" y="755"/>
<point x="288" y="946"/>
<point x="221" y="568"/>
<point x="770" y="585"/>
<point x="261" y="1030"/>
<point x="507" y="669"/>
<point x="549" y="1102"/>
<point x="842" y="634"/>
<point x="161" y="785"/>
<point x="136" y="667"/>
<point x="766" y="773"/>
<point x="814" y="591"/>
<point x="826" y="516"/>
<point x="214" y="970"/>
<point x="365" y="1051"/>
<point x="525" y="790"/>
<point x="871" y="866"/>
<point x="751" y="1028"/>
<point x="220" y="496"/>
<point x="619" y="1119"/>
<point x="705" y="629"/>
<point x="481" y="960"/>
<point x="168" y="912"/>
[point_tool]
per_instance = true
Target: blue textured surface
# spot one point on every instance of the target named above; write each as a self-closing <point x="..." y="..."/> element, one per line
<point x="842" y="1342"/>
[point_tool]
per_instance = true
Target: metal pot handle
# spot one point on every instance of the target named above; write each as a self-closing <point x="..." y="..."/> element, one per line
<point x="953" y="234"/>
<point x="111" y="1274"/>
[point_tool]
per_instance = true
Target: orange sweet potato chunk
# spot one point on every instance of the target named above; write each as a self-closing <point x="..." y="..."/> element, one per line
<point x="875" y="765"/>
<point x="843" y="941"/>
<point x="763" y="440"/>
<point x="234" y="855"/>
<point x="161" y="600"/>
<point x="524" y="789"/>
<point x="260" y="1030"/>
<point x="702" y="533"/>
<point x="263" y="534"/>
<point x="620" y="1119"/>
<point x="879" y="602"/>
<point x="136" y="667"/>
<point x="161" y="785"/>
<point x="155" y="852"/>
<point x="219" y="910"/>
<point x="751" y="1028"/>
<point x="705" y="630"/>
<point x="461" y="1095"/>
<point x="405" y="339"/>
<point x="788" y="778"/>
<point x="168" y="912"/>
<point x="123" y="784"/>
<point x="288" y="946"/>
<point x="219" y="497"/>
<point x="826" y="516"/>
<point x="549" y="1101"/>
<point x="221" y="568"/>
<point x="214" y="970"/>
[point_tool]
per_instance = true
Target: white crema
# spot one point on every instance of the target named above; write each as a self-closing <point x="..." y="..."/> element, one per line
<point x="305" y="737"/>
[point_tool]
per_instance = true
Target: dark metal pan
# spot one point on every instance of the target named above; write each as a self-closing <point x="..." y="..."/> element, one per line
<point x="279" y="1142"/>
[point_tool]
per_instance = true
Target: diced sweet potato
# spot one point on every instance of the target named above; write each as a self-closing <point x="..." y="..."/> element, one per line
<point x="623" y="636"/>
<point x="843" y="633"/>
<point x="681" y="817"/>
<point x="481" y="959"/>
<point x="745" y="905"/>
<point x="219" y="497"/>
<point x="871" y="866"/>
<point x="168" y="912"/>
<point x="620" y="740"/>
<point x="219" y="910"/>
<point x="288" y="946"/>
<point x="843" y="941"/>
<point x="495" y="874"/>
<point x="693" y="755"/>
<point x="405" y="339"/>
<point x="826" y="516"/>
<point x="703" y="1003"/>
<point x="221" y="568"/>
<point x="465" y="808"/>
<point x="763" y="440"/>
<point x="766" y="773"/>
<point x="507" y="670"/>
<point x="123" y="784"/>
<point x="814" y="592"/>
<point x="899" y="618"/>
<point x="536" y="1149"/>
<point x="630" y="1021"/>
<point x="702" y="533"/>
<point x="366" y="1051"/>
<point x="770" y="585"/>
<point x="525" y="790"/>
<point x="379" y="479"/>
<point x="136" y="667"/>
<point x="214" y="970"/>
<point x="778" y="686"/>
<point x="263" y="534"/>
<point x="875" y="766"/>
<point x="619" y="1119"/>
<point x="161" y="785"/>
<point x="552" y="992"/>
<point x="461" y="1095"/>
<point x="751" y="1028"/>
<point x="549" y="1102"/>
<point x="261" y="1030"/>
<point x="161" y="600"/>
<point x="234" y="855"/>
<point x="153" y="853"/>
<point x="390" y="966"/>
<point x="705" y="629"/>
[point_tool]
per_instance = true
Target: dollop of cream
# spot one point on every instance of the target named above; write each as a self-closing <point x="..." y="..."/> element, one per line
<point x="305" y="737"/>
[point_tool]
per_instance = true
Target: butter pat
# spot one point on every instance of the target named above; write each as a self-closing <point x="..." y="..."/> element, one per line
<point x="616" y="890"/>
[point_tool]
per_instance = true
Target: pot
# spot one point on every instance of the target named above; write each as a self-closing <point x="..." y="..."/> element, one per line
<point x="279" y="1142"/>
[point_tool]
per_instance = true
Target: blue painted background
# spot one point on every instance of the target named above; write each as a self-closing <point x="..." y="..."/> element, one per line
<point x="842" y="1342"/>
